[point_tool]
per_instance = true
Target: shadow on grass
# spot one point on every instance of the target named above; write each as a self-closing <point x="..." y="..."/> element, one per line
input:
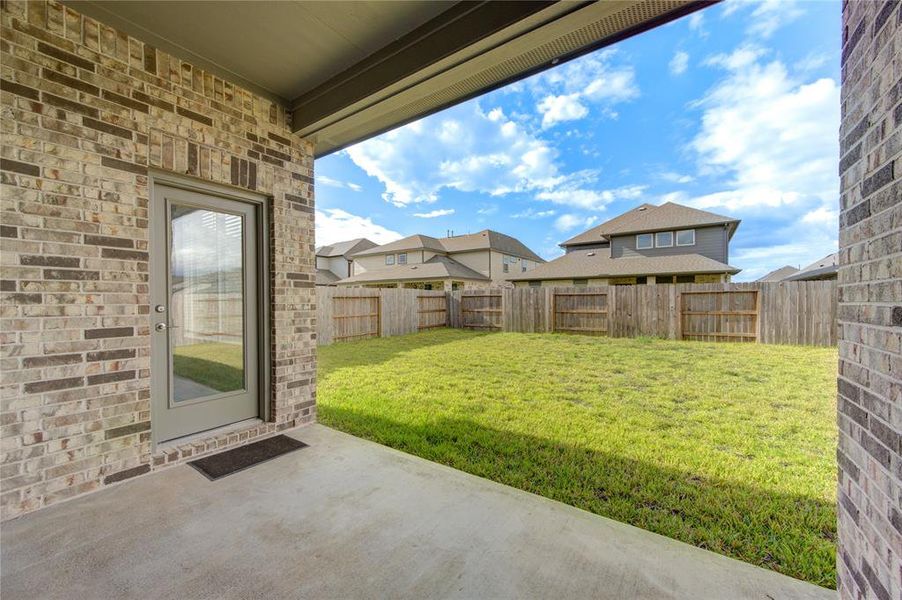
<point x="791" y="534"/>
<point x="373" y="351"/>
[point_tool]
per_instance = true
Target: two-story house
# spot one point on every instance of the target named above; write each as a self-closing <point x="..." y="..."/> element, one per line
<point x="476" y="260"/>
<point x="670" y="243"/>
<point x="333" y="262"/>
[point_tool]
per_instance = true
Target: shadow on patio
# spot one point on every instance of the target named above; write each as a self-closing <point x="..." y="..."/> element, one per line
<point x="346" y="518"/>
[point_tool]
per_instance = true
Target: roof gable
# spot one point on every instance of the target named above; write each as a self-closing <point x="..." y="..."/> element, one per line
<point x="648" y="217"/>
<point x="345" y="248"/>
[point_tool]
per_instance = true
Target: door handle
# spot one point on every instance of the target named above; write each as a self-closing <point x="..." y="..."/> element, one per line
<point x="161" y="327"/>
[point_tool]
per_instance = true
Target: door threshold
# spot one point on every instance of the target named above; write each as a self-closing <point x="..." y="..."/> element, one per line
<point x="205" y="435"/>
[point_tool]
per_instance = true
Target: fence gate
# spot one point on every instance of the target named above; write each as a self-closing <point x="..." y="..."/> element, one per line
<point x="356" y="317"/>
<point x="432" y="311"/>
<point x="481" y="311"/>
<point x="580" y="312"/>
<point x="719" y="316"/>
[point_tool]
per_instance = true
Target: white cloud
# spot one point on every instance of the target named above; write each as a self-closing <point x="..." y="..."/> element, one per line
<point x="435" y="213"/>
<point x="697" y="23"/>
<point x="336" y="225"/>
<point x="676" y="177"/>
<point x="530" y="213"/>
<point x="462" y="148"/>
<point x="567" y="91"/>
<point x="767" y="15"/>
<point x="679" y="63"/>
<point x="770" y="138"/>
<point x="773" y="136"/>
<point x="469" y="150"/>
<point x="561" y="108"/>
<point x="590" y="199"/>
<point x="567" y="222"/>
<point x="330" y="182"/>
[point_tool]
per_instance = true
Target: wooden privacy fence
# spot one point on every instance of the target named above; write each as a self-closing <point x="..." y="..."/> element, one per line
<point x="432" y="311"/>
<point x="580" y="312"/>
<point x="481" y="310"/>
<point x="356" y="317"/>
<point x="723" y="315"/>
<point x="346" y="314"/>
<point x="798" y="312"/>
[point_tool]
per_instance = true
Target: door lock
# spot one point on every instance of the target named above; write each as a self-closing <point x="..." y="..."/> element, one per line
<point x="160" y="308"/>
<point x="161" y="327"/>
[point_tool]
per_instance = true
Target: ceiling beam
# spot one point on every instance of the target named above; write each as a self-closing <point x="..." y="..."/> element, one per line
<point x="456" y="29"/>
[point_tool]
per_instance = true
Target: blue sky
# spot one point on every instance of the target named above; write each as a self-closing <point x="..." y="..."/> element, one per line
<point x="734" y="109"/>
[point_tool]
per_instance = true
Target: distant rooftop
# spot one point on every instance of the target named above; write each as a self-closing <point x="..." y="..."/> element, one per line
<point x="482" y="240"/>
<point x="649" y="217"/>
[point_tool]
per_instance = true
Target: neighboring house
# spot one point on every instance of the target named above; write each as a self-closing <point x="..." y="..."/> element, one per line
<point x="477" y="260"/>
<point x="670" y="243"/>
<point x="333" y="262"/>
<point x="779" y="274"/>
<point x="825" y="268"/>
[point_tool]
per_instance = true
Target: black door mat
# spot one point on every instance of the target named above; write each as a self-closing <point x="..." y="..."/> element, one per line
<point x="244" y="457"/>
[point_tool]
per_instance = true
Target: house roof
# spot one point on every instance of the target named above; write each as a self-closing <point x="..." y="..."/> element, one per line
<point x="489" y="240"/>
<point x="825" y="268"/>
<point x="326" y="277"/>
<point x="582" y="264"/>
<point x="483" y="240"/>
<point x="437" y="267"/>
<point x="411" y="242"/>
<point x="779" y="274"/>
<point x="648" y="217"/>
<point x="346" y="248"/>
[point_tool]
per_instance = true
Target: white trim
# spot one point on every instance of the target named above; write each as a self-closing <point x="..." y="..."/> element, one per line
<point x="650" y="246"/>
<point x="670" y="245"/>
<point x="676" y="237"/>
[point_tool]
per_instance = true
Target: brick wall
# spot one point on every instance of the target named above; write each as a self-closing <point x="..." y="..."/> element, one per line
<point x="870" y="313"/>
<point x="86" y="110"/>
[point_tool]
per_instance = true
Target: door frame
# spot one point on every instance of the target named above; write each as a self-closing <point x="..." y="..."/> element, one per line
<point x="262" y="204"/>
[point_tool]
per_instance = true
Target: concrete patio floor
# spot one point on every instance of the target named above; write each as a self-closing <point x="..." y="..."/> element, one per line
<point x="346" y="518"/>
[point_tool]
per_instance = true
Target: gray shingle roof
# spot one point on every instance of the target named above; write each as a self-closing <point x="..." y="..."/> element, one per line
<point x="825" y="268"/>
<point x="483" y="240"/>
<point x="648" y="217"/>
<point x="437" y="267"/>
<point x="345" y="248"/>
<point x="779" y="274"/>
<point x="582" y="264"/>
<point x="326" y="277"/>
<point x="411" y="242"/>
<point x="489" y="240"/>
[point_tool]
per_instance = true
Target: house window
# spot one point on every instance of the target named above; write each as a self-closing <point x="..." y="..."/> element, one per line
<point x="580" y="282"/>
<point x="506" y="267"/>
<point x="535" y="284"/>
<point x="402" y="258"/>
<point x="685" y="278"/>
<point x="685" y="237"/>
<point x="644" y="241"/>
<point x="523" y="266"/>
<point x="664" y="239"/>
<point x="389" y="259"/>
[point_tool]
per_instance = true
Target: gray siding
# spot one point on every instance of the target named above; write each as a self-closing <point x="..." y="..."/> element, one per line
<point x="599" y="245"/>
<point x="709" y="241"/>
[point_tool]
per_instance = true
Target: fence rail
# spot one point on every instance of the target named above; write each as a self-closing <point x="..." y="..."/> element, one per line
<point x="802" y="312"/>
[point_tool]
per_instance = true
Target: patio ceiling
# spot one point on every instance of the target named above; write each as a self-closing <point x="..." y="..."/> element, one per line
<point x="352" y="70"/>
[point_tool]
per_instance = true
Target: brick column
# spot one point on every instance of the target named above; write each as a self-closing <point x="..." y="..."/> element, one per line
<point x="870" y="312"/>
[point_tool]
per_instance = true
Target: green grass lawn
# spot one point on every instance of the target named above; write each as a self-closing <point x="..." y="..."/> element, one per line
<point x="730" y="447"/>
<point x="216" y="365"/>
